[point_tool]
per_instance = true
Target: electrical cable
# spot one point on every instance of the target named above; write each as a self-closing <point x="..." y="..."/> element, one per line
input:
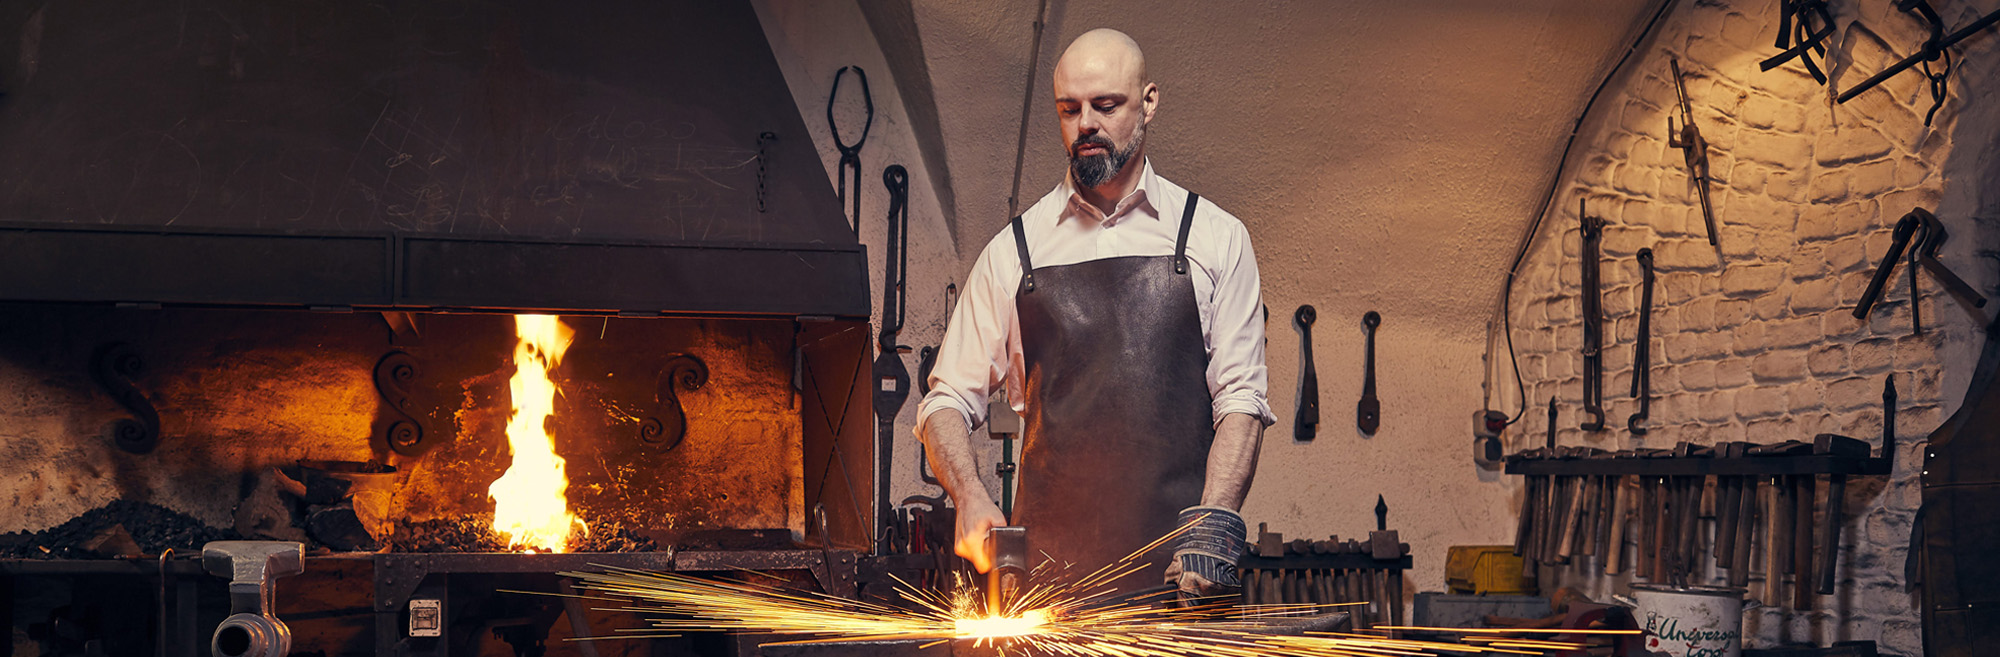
<point x="1027" y="105"/>
<point x="1555" y="183"/>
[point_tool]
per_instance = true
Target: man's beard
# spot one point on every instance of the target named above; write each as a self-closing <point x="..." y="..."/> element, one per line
<point x="1095" y="170"/>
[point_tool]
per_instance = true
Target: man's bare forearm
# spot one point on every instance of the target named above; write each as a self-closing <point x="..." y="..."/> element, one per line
<point x="948" y="447"/>
<point x="1232" y="461"/>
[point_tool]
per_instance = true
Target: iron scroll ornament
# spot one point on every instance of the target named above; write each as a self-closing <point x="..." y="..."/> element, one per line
<point x="665" y="430"/>
<point x="113" y="365"/>
<point x="395" y="375"/>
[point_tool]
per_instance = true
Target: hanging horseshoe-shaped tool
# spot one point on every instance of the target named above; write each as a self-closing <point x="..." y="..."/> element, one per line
<point x="1642" y="351"/>
<point x="1306" y="423"/>
<point x="1368" y="414"/>
<point x="850" y="156"/>
<point x="892" y="378"/>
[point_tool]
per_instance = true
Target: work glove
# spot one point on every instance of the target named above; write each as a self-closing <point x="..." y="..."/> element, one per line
<point x="1205" y="555"/>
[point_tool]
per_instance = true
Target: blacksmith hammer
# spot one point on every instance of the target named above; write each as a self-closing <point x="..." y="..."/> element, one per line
<point x="1007" y="550"/>
<point x="252" y="628"/>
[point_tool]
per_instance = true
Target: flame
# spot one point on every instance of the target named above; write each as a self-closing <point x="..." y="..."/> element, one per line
<point x="998" y="626"/>
<point x="529" y="507"/>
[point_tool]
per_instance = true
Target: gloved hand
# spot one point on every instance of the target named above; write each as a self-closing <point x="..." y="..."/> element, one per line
<point x="1205" y="555"/>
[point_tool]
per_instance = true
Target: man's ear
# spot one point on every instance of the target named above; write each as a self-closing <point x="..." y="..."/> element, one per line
<point x="1149" y="99"/>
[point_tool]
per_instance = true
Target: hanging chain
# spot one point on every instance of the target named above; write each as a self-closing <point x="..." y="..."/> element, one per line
<point x="763" y="167"/>
<point x="1939" y="88"/>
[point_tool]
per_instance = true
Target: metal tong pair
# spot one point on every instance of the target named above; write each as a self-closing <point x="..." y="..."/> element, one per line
<point x="1928" y="235"/>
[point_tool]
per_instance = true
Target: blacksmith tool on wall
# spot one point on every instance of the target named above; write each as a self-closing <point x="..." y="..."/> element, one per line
<point x="1937" y="46"/>
<point x="850" y="155"/>
<point x="1305" y="423"/>
<point x="1642" y="350"/>
<point x="1922" y="234"/>
<point x="1803" y="26"/>
<point x="891" y="376"/>
<point x="252" y="628"/>
<point x="1694" y="149"/>
<point x="1368" y="414"/>
<point x="1593" y="321"/>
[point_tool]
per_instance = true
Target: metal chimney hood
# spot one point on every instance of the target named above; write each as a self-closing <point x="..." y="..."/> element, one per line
<point x="630" y="157"/>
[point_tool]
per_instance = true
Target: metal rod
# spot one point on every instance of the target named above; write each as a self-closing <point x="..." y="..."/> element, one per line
<point x="1924" y="55"/>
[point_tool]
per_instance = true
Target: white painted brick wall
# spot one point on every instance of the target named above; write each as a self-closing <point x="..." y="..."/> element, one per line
<point x="1758" y="344"/>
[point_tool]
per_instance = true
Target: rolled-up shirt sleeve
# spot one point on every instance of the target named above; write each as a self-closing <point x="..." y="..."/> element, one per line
<point x="975" y="356"/>
<point x="1237" y="378"/>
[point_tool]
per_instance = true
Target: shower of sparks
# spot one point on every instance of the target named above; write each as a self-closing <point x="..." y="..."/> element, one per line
<point x="1058" y="614"/>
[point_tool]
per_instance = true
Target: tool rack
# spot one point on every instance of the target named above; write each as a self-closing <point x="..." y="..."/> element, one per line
<point x="1575" y="507"/>
<point x="1373" y="587"/>
<point x="1698" y="466"/>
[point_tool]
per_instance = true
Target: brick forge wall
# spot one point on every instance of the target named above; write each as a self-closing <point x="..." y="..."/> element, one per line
<point x="1757" y="342"/>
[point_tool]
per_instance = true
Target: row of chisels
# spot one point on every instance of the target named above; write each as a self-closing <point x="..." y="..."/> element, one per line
<point x="1654" y="509"/>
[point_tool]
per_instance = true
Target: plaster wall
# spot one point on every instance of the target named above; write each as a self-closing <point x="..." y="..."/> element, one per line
<point x="1382" y="156"/>
<point x="812" y="41"/>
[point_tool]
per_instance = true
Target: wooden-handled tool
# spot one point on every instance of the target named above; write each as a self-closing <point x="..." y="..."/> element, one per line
<point x="1836" y="492"/>
<point x="1615" y="534"/>
<point x="1803" y="491"/>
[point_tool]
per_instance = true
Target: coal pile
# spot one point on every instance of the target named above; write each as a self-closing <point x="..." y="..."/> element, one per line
<point x="121" y="528"/>
<point x="474" y="533"/>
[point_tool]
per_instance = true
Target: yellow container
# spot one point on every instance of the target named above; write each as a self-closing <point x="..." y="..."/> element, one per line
<point x="1484" y="569"/>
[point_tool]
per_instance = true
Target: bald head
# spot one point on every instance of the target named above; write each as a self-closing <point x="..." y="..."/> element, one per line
<point x="1107" y="52"/>
<point x="1104" y="101"/>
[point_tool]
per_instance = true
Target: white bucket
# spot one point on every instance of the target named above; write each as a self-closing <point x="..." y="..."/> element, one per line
<point x="1695" y="621"/>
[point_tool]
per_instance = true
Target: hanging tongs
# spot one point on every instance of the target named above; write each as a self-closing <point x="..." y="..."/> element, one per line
<point x="1928" y="234"/>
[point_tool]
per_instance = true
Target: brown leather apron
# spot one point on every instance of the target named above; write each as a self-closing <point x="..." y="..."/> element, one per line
<point x="1118" y="421"/>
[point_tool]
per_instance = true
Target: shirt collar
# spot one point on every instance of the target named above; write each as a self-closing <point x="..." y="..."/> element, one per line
<point x="1142" y="202"/>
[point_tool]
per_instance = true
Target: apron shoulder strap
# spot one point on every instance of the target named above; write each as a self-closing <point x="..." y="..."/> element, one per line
<point x="1027" y="268"/>
<point x="1180" y="244"/>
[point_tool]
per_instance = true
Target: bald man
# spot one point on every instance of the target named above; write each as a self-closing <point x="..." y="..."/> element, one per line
<point x="1122" y="313"/>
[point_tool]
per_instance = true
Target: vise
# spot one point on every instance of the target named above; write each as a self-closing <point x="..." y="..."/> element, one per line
<point x="252" y="628"/>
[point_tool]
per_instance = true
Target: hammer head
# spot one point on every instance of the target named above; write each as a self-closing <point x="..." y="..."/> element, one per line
<point x="1007" y="548"/>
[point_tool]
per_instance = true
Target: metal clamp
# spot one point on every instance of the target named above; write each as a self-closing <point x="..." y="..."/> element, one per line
<point x="252" y="628"/>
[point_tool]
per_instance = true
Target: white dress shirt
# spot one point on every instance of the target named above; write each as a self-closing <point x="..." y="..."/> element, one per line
<point x="982" y="345"/>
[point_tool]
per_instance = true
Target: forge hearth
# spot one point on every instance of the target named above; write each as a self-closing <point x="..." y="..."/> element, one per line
<point x="238" y="392"/>
<point x="267" y="420"/>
